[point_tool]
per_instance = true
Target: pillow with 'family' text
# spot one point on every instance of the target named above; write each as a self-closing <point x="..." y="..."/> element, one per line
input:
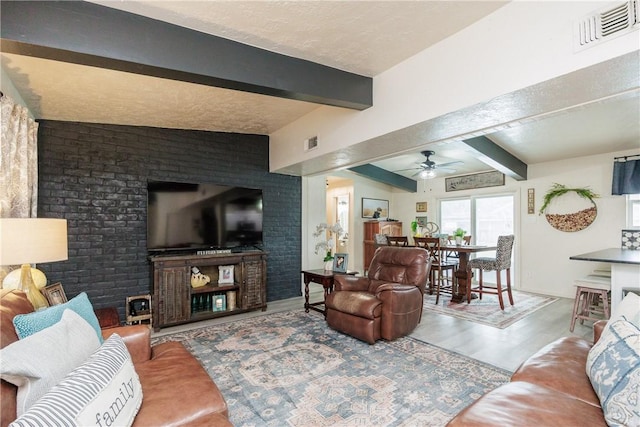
<point x="103" y="391"/>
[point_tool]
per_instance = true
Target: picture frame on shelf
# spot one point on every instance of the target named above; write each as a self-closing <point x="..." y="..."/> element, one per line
<point x="375" y="208"/>
<point x="225" y="274"/>
<point x="340" y="262"/>
<point x="219" y="302"/>
<point x="55" y="294"/>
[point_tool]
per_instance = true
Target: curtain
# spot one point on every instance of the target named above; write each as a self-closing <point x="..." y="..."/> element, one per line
<point x="626" y="176"/>
<point x="18" y="164"/>
<point x="18" y="161"/>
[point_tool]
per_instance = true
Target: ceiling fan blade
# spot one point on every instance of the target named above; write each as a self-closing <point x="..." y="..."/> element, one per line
<point x="410" y="169"/>
<point x="441" y="165"/>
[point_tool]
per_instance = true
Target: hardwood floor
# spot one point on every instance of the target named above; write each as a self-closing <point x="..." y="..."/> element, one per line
<point x="505" y="348"/>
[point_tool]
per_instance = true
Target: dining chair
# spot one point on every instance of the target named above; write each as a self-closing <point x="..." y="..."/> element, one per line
<point x="397" y="240"/>
<point x="501" y="262"/>
<point x="438" y="264"/>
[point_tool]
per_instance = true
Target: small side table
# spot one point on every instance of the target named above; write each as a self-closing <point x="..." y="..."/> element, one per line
<point x="321" y="277"/>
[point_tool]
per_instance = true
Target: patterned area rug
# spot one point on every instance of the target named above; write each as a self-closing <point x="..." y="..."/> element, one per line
<point x="290" y="369"/>
<point x="487" y="311"/>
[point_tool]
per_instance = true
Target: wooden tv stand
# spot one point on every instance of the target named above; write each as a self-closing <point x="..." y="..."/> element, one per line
<point x="176" y="302"/>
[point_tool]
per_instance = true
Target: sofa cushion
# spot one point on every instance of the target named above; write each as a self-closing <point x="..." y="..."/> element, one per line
<point x="560" y="366"/>
<point x="104" y="391"/>
<point x="613" y="366"/>
<point x="173" y="375"/>
<point x="28" y="324"/>
<point x="525" y="404"/>
<point x="38" y="362"/>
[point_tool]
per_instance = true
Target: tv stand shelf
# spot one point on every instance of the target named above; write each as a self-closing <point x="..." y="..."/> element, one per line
<point x="176" y="302"/>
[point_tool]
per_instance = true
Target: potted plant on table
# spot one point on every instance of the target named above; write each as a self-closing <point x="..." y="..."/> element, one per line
<point x="326" y="246"/>
<point x="459" y="235"/>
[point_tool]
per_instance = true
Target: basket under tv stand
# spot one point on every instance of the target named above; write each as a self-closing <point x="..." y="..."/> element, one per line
<point x="176" y="302"/>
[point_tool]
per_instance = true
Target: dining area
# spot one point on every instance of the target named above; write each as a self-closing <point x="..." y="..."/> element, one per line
<point x="454" y="264"/>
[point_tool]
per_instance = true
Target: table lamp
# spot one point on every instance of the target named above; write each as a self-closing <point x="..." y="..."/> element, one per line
<point x="28" y="241"/>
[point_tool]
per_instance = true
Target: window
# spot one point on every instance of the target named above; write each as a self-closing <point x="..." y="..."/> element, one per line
<point x="633" y="210"/>
<point x="484" y="218"/>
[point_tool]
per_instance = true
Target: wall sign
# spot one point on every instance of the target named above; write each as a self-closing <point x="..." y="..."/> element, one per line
<point x="477" y="180"/>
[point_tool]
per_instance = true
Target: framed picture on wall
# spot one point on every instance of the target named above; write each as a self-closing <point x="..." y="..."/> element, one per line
<point x="340" y="262"/>
<point x="421" y="206"/>
<point x="375" y="208"/>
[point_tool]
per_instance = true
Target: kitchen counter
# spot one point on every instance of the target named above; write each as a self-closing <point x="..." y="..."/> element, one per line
<point x="612" y="255"/>
<point x="625" y="269"/>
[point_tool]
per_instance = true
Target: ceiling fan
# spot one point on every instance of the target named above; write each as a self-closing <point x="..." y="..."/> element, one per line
<point x="428" y="168"/>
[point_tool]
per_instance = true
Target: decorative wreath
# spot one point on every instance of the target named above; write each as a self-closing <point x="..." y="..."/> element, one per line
<point x="574" y="221"/>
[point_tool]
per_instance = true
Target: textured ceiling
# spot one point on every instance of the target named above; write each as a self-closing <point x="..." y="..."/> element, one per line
<point x="362" y="37"/>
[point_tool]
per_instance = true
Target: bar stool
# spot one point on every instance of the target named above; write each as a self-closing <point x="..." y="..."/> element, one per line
<point x="590" y="291"/>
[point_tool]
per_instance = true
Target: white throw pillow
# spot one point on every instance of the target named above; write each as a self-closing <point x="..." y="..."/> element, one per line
<point x="103" y="391"/>
<point x="629" y="309"/>
<point x="39" y="361"/>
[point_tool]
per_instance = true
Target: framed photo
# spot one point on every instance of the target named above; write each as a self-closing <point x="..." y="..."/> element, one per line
<point x="219" y="303"/>
<point x="422" y="221"/>
<point x="421" y="206"/>
<point x="225" y="274"/>
<point x="340" y="262"/>
<point x="375" y="208"/>
<point x="55" y="294"/>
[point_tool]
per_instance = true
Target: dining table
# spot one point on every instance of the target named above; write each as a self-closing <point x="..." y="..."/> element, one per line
<point x="463" y="277"/>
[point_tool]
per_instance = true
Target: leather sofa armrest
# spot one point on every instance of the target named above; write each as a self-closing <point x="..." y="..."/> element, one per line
<point x="598" y="327"/>
<point x="350" y="283"/>
<point x="137" y="339"/>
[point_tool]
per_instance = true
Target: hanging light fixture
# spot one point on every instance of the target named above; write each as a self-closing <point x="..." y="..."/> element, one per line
<point x="427" y="174"/>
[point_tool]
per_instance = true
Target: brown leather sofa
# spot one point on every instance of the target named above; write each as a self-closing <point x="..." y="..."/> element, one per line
<point x="176" y="389"/>
<point x="385" y="304"/>
<point x="551" y="388"/>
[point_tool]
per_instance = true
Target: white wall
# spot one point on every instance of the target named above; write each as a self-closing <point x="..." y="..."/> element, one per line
<point x="519" y="45"/>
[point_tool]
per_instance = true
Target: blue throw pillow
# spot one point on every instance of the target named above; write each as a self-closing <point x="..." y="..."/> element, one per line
<point x="29" y="324"/>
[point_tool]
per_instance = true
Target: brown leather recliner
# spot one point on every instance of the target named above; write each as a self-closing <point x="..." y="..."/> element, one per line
<point x="385" y="304"/>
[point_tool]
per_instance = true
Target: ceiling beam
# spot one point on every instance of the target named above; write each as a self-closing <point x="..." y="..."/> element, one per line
<point x="384" y="176"/>
<point x="498" y="158"/>
<point x="94" y="35"/>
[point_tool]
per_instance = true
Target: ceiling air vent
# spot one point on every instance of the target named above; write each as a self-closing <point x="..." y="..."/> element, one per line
<point x="608" y="22"/>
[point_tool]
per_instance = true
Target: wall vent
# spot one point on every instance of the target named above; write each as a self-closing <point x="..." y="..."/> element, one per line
<point x="607" y="23"/>
<point x="311" y="143"/>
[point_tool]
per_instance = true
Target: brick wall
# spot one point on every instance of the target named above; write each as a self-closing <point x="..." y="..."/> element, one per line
<point x="95" y="176"/>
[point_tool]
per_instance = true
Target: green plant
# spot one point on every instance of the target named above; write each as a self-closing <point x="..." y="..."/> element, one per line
<point x="328" y="257"/>
<point x="414" y="226"/>
<point x="459" y="232"/>
<point x="558" y="190"/>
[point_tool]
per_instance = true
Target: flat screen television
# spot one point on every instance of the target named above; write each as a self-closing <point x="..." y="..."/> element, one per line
<point x="190" y="216"/>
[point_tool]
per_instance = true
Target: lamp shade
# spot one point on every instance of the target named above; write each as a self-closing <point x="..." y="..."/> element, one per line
<point x="32" y="240"/>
